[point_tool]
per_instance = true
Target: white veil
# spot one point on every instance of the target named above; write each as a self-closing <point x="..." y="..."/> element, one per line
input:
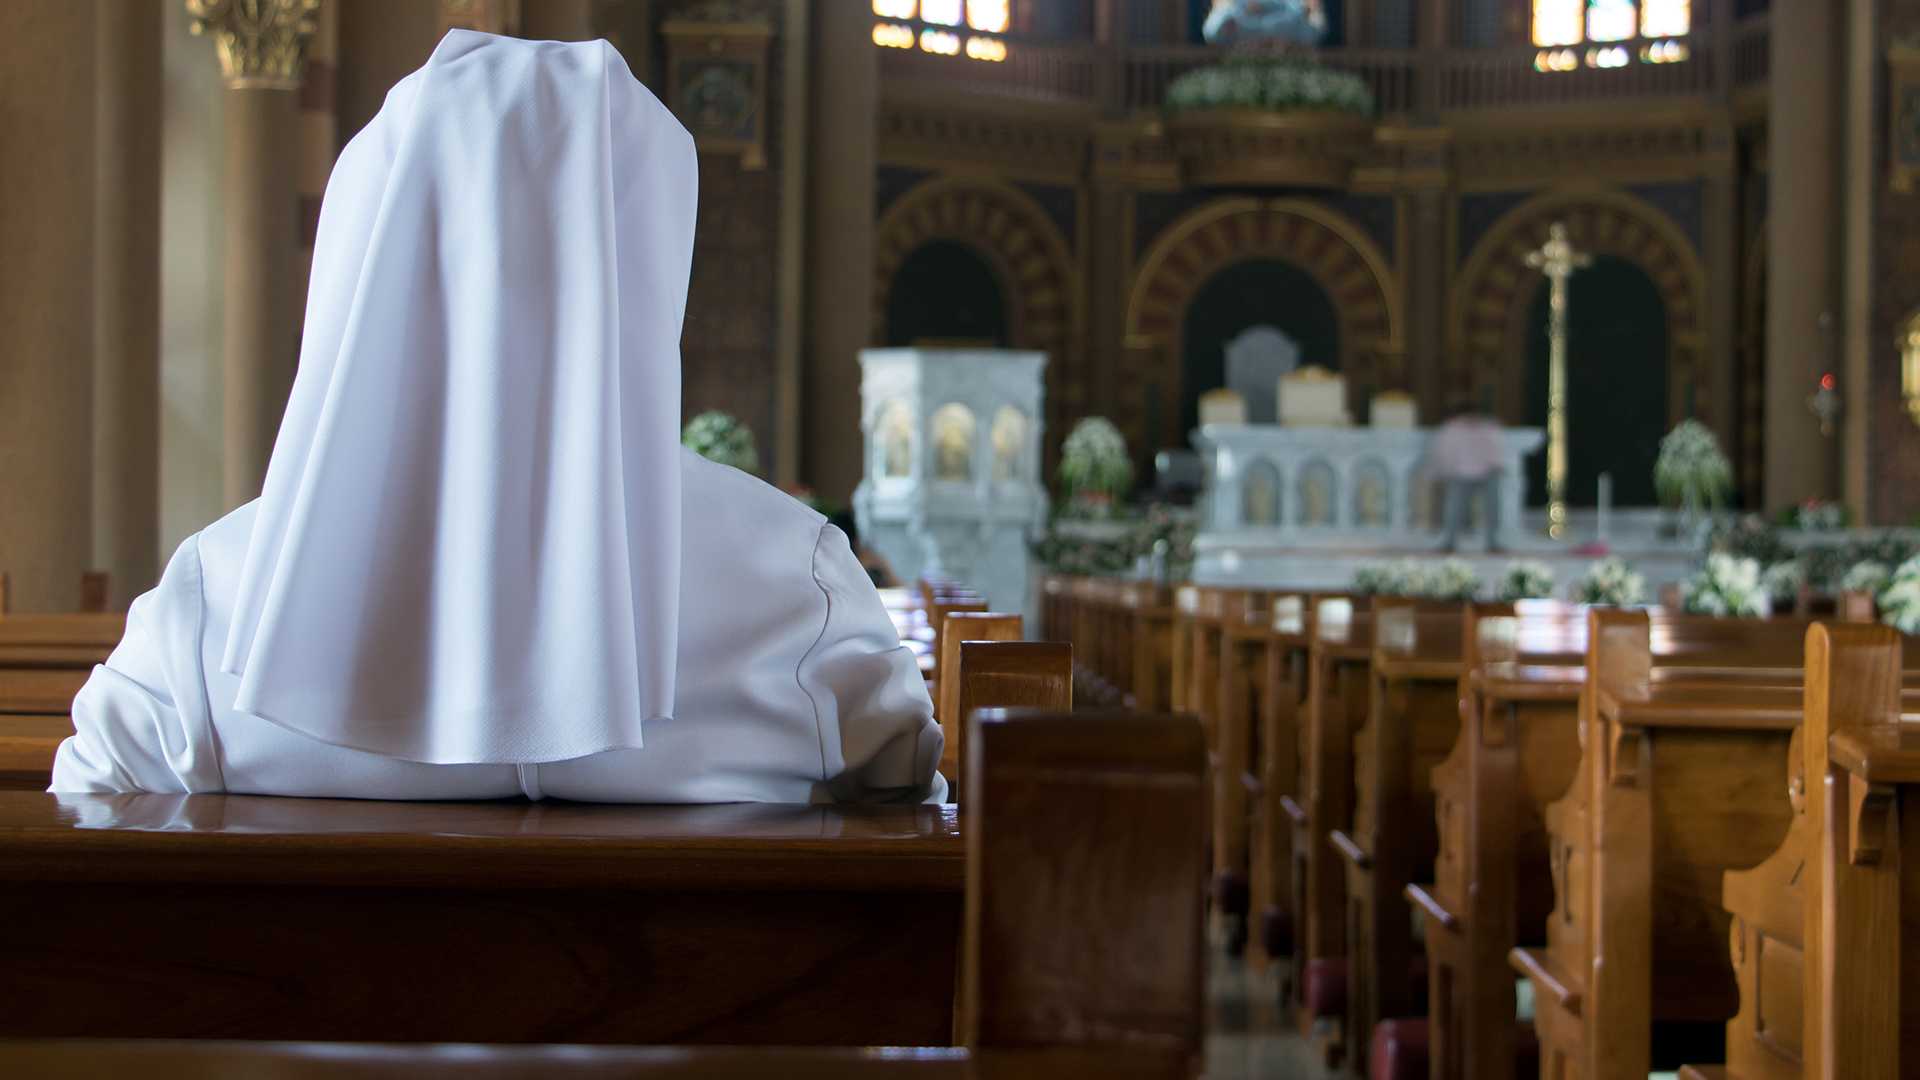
<point x="468" y="545"/>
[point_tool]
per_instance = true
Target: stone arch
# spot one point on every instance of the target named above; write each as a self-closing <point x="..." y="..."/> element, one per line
<point x="1487" y="316"/>
<point x="1331" y="249"/>
<point x="1015" y="236"/>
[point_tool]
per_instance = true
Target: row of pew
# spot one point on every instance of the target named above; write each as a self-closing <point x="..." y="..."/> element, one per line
<point x="1434" y="812"/>
<point x="1054" y="930"/>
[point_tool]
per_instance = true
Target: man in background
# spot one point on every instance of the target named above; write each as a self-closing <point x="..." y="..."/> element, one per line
<point x="1467" y="454"/>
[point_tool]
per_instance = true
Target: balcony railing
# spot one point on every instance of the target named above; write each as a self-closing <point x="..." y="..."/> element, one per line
<point x="1077" y="73"/>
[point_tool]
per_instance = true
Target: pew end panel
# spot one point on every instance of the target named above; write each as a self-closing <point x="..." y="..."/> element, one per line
<point x="1085" y="908"/>
<point x="1009" y="675"/>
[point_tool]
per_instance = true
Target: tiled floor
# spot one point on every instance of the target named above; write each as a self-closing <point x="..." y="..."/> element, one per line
<point x="1250" y="1036"/>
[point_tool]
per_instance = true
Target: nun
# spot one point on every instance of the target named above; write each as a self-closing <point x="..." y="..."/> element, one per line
<point x="481" y="565"/>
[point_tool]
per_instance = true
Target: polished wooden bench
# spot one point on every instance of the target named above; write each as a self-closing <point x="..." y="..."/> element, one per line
<point x="1338" y="698"/>
<point x="157" y="916"/>
<point x="1679" y="782"/>
<point x="1273" y="776"/>
<point x="59" y="641"/>
<point x="1412" y="722"/>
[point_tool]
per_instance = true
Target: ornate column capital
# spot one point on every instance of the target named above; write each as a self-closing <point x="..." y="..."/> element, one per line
<point x="262" y="43"/>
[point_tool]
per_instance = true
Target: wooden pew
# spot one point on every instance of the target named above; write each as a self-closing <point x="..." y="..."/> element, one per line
<point x="963" y="626"/>
<point x="1009" y="675"/>
<point x="1274" y="786"/>
<point x="1081" y="930"/>
<point x="1412" y="722"/>
<point x="155" y="1059"/>
<point x="1790" y="941"/>
<point x="1338" y="659"/>
<point x="36" y="715"/>
<point x="1678" y="782"/>
<point x="1516" y="751"/>
<point x="1236" y="642"/>
<point x="751" y="924"/>
<point x="59" y="641"/>
<point x="1149" y="665"/>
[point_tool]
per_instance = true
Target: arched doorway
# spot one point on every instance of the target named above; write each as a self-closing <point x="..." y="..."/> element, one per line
<point x="945" y="295"/>
<point x="1617" y="382"/>
<point x="1254" y="292"/>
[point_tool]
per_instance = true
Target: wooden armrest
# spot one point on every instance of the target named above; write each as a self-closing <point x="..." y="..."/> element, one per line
<point x="1431" y="904"/>
<point x="1548" y="975"/>
<point x="1293" y="810"/>
<point x="1354" y="852"/>
<point x="1251" y="783"/>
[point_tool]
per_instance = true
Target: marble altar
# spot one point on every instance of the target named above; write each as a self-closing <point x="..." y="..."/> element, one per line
<point x="952" y="481"/>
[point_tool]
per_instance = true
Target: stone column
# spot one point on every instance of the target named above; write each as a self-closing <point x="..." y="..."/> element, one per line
<point x="1801" y="228"/>
<point x="556" y="20"/>
<point x="48" y="51"/>
<point x="846" y="77"/>
<point x="262" y="46"/>
<point x="126" y="357"/>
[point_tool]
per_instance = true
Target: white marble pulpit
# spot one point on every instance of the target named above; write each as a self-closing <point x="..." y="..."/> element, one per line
<point x="952" y="482"/>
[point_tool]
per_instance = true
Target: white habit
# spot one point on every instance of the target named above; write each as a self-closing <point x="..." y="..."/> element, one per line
<point x="481" y="565"/>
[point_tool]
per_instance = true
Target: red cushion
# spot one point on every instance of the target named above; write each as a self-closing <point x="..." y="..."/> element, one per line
<point x="1326" y="986"/>
<point x="1399" y="1050"/>
<point x="1230" y="890"/>
<point x="1276" y="931"/>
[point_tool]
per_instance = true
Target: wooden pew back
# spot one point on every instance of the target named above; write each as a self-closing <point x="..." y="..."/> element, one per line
<point x="963" y="626"/>
<point x="1010" y="675"/>
<point x="1101" y="820"/>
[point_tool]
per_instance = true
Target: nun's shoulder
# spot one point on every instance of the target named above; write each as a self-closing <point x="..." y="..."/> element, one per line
<point x="714" y="493"/>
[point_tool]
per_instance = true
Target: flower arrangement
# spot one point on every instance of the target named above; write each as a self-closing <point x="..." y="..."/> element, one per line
<point x="1813" y="515"/>
<point x="1900" y="604"/>
<point x="1612" y="582"/>
<point x="1158" y="525"/>
<point x="1782" y="581"/>
<point x="1728" y="586"/>
<point x="1691" y="468"/>
<point x="1526" y="579"/>
<point x="1095" y="472"/>
<point x="1269" y="81"/>
<point x="1749" y="536"/>
<point x="1449" y="580"/>
<point x="1867" y="576"/>
<point x="720" y="436"/>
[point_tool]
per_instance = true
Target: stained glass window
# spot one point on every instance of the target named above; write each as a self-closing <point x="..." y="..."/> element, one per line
<point x="1557" y="22"/>
<point x="1665" y="18"/>
<point x="991" y="15"/>
<point x="944" y="12"/>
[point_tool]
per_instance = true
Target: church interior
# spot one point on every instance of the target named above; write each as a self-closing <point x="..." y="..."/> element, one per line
<point x="1406" y="513"/>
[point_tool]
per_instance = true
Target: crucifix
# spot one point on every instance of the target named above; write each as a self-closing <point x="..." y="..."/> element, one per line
<point x="1558" y="260"/>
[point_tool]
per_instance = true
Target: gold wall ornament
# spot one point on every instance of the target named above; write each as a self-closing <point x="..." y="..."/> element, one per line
<point x="262" y="43"/>
<point x="1908" y="335"/>
<point x="1557" y="259"/>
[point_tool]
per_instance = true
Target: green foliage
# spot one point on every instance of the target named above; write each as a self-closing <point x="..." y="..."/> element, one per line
<point x="720" y="436"/>
<point x="1279" y="83"/>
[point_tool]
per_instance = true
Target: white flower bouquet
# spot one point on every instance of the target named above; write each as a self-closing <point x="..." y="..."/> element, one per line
<point x="1691" y="468"/>
<point x="1783" y="580"/>
<point x="1900" y="604"/>
<point x="720" y="436"/>
<point x="1449" y="580"/>
<point x="1095" y="472"/>
<point x="1452" y="580"/>
<point x="1867" y="576"/>
<point x="1526" y="579"/>
<point x="1611" y="582"/>
<point x="1280" y="83"/>
<point x="1729" y="586"/>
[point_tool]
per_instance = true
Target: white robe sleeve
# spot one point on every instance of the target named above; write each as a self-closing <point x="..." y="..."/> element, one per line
<point x="141" y="721"/>
<point x="878" y="737"/>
